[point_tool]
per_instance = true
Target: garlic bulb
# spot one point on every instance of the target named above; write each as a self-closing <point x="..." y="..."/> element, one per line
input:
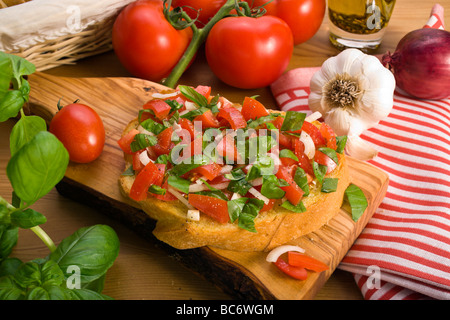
<point x="353" y="91"/>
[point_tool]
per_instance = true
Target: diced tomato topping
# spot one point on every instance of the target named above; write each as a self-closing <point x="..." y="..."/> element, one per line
<point x="137" y="163"/>
<point x="159" y="107"/>
<point x="209" y="171"/>
<point x="233" y="116"/>
<point x="268" y="206"/>
<point x="252" y="109"/>
<point x="167" y="196"/>
<point x="292" y="271"/>
<point x="314" y="132"/>
<point x="204" y="91"/>
<point x="144" y="179"/>
<point x="164" y="144"/>
<point x="329" y="135"/>
<point x="303" y="160"/>
<point x="125" y="141"/>
<point x="208" y="120"/>
<point x="287" y="161"/>
<point x="227" y="148"/>
<point x="211" y="206"/>
<point x="325" y="160"/>
<point x="187" y="125"/>
<point x="278" y="122"/>
<point x="301" y="260"/>
<point x="293" y="192"/>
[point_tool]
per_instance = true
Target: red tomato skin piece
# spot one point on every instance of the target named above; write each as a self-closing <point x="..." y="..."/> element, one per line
<point x="252" y="109"/>
<point x="143" y="180"/>
<point x="211" y="206"/>
<point x="292" y="271"/>
<point x="125" y="141"/>
<point x="301" y="260"/>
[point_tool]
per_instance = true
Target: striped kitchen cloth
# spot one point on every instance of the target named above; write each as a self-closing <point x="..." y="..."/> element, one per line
<point x="404" y="251"/>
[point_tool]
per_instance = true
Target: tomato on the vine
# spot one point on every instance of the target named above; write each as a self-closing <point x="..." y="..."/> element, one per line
<point x="146" y="44"/>
<point x="81" y="131"/>
<point x="304" y="17"/>
<point x="204" y="9"/>
<point x="249" y="53"/>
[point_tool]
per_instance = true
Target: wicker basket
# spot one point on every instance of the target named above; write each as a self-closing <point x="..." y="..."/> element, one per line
<point x="61" y="47"/>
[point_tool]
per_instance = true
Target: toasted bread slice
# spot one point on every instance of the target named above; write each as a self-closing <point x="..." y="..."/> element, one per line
<point x="274" y="227"/>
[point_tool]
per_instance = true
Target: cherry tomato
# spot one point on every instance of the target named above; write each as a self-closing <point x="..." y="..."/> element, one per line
<point x="146" y="44"/>
<point x="205" y="9"/>
<point x="81" y="131"/>
<point x="249" y="53"/>
<point x="304" y="17"/>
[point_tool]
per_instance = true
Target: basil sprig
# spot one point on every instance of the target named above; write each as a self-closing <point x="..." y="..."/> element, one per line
<point x="76" y="268"/>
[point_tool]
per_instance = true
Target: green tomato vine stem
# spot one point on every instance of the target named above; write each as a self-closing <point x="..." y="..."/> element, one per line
<point x="198" y="38"/>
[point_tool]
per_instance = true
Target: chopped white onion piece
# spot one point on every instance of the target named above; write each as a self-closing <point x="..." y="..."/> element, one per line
<point x="144" y="158"/>
<point x="310" y="148"/>
<point x="193" y="215"/>
<point x="180" y="197"/>
<point x="144" y="131"/>
<point x="190" y="106"/>
<point x="235" y="196"/>
<point x="158" y="95"/>
<point x="259" y="195"/>
<point x="226" y="169"/>
<point x="313" y="116"/>
<point x="257" y="182"/>
<point x="278" y="251"/>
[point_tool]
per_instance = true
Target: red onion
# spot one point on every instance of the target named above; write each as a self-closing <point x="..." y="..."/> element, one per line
<point x="421" y="63"/>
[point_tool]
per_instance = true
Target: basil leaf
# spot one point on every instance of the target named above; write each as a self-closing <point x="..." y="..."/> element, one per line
<point x="293" y="121"/>
<point x="9" y="235"/>
<point x="329" y="185"/>
<point x="286" y="153"/>
<point x="27" y="218"/>
<point x="301" y="179"/>
<point x="24" y="130"/>
<point x="9" y="289"/>
<point x="235" y="174"/>
<point x="341" y="141"/>
<point x="182" y="168"/>
<point x="253" y="124"/>
<point x="235" y="208"/>
<point x="330" y="153"/>
<point x="93" y="249"/>
<point x="179" y="183"/>
<point x="319" y="171"/>
<point x="152" y="126"/>
<point x="239" y="186"/>
<point x="164" y="159"/>
<point x="194" y="96"/>
<point x="299" y="208"/>
<point x="157" y="190"/>
<point x="11" y="104"/>
<point x="142" y="141"/>
<point x="194" y="113"/>
<point x="37" y="167"/>
<point x="249" y="213"/>
<point x="357" y="200"/>
<point x="271" y="188"/>
<point x="174" y="105"/>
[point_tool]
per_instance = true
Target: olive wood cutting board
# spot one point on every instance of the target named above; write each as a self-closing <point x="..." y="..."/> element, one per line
<point x="244" y="275"/>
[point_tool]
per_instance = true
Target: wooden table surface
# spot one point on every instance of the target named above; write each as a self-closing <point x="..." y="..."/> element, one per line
<point x="142" y="270"/>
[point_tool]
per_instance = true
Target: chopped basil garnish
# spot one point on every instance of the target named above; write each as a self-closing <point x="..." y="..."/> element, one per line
<point x="301" y="179"/>
<point x="286" y="153"/>
<point x="152" y="126"/>
<point x="245" y="211"/>
<point x="271" y="187"/>
<point x="293" y="121"/>
<point x="157" y="190"/>
<point x="179" y="183"/>
<point x="330" y="153"/>
<point x="299" y="208"/>
<point x="341" y="141"/>
<point x="357" y="200"/>
<point x="194" y="96"/>
<point x="319" y="171"/>
<point x="142" y="141"/>
<point x="329" y="185"/>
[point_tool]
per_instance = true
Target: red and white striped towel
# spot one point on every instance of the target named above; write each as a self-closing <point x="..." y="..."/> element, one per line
<point x="404" y="251"/>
